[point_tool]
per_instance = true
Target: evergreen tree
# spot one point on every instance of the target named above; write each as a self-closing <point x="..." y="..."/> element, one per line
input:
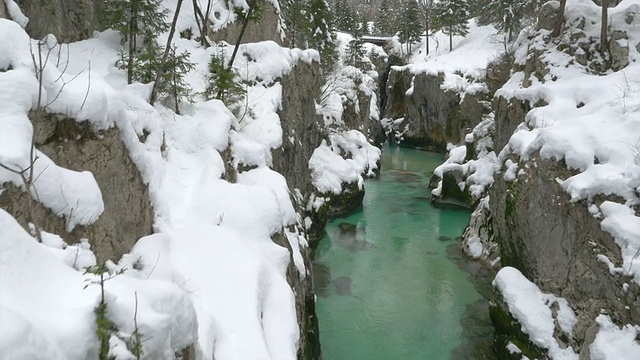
<point x="508" y="15"/>
<point x="384" y="20"/>
<point x="223" y="81"/>
<point x="345" y="18"/>
<point x="295" y="19"/>
<point x="355" y="51"/>
<point x="135" y="19"/>
<point x="171" y="83"/>
<point x="410" y="24"/>
<point x="453" y="16"/>
<point x="428" y="10"/>
<point x="320" y="36"/>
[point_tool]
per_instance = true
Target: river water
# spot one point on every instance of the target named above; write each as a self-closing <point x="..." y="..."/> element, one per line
<point x="388" y="287"/>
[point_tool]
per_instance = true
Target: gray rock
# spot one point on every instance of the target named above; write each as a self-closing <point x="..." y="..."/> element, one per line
<point x="619" y="50"/>
<point x="127" y="216"/>
<point x="555" y="242"/>
<point x="266" y="28"/>
<point x="68" y="20"/>
<point x="548" y="14"/>
<point x="433" y="116"/>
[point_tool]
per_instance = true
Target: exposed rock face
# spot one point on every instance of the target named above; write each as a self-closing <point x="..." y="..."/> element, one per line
<point x="266" y="28"/>
<point x="433" y="116"/>
<point x="554" y="242"/>
<point x="68" y="20"/>
<point x="128" y="215"/>
<point x="299" y="122"/>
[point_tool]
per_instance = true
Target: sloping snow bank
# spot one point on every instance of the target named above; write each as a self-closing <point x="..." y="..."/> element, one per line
<point x="532" y="308"/>
<point x="613" y="342"/>
<point x="69" y="194"/>
<point x="47" y="306"/>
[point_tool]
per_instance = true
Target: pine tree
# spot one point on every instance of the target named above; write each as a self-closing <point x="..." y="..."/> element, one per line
<point x="384" y="22"/>
<point x="411" y="26"/>
<point x="508" y="15"/>
<point x="345" y="18"/>
<point x="453" y="15"/>
<point x="223" y="81"/>
<point x="428" y="10"/>
<point x="135" y="19"/>
<point x="319" y="34"/>
<point x="355" y="51"/>
<point x="295" y="20"/>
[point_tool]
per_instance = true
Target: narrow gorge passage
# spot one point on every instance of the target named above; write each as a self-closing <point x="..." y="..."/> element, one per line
<point x="386" y="286"/>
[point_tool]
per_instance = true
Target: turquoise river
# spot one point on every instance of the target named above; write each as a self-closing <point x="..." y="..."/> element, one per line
<point x="390" y="279"/>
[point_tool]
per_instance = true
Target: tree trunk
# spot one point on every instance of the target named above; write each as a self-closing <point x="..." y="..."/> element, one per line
<point x="604" y="26"/>
<point x="450" y="38"/>
<point x="426" y="34"/>
<point x="154" y="90"/>
<point x="559" y="19"/>
<point x="133" y="24"/>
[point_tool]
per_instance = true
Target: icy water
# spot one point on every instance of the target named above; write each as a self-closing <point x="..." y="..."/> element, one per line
<point x="388" y="287"/>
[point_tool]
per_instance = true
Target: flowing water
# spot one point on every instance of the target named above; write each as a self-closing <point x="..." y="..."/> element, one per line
<point x="388" y="287"/>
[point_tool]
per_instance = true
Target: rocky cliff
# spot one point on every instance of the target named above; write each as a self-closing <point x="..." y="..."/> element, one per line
<point x="542" y="211"/>
<point x="434" y="115"/>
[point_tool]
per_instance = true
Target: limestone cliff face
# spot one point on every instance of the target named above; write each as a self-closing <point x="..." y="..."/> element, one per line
<point x="555" y="243"/>
<point x="265" y="28"/>
<point x="128" y="215"/>
<point x="301" y="124"/>
<point x="68" y="20"/>
<point x="433" y="115"/>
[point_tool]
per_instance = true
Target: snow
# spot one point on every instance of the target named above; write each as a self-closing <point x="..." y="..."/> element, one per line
<point x="468" y="59"/>
<point x="479" y="172"/>
<point x="253" y="319"/>
<point x="613" y="342"/>
<point x="34" y="281"/>
<point x="15" y="13"/>
<point x="532" y="309"/>
<point x="330" y="170"/>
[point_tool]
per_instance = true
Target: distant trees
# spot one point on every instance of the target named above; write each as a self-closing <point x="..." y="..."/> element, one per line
<point x="384" y="24"/>
<point x="355" y="50"/>
<point x="508" y="16"/>
<point x="148" y="62"/>
<point x="410" y="25"/>
<point x="320" y="34"/>
<point x="453" y="16"/>
<point x="135" y="19"/>
<point x="428" y="12"/>
<point x="344" y="16"/>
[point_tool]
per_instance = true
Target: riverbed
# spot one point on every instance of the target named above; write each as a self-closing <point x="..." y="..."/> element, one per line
<point x="387" y="284"/>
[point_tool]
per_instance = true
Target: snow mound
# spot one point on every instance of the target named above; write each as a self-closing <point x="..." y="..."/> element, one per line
<point x="532" y="308"/>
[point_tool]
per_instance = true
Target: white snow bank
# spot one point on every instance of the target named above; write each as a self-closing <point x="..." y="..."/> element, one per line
<point x="622" y="223"/>
<point x="74" y="195"/>
<point x="532" y="308"/>
<point x="246" y="309"/>
<point x="614" y="343"/>
<point x="48" y="304"/>
<point x="330" y="170"/>
<point x="479" y="172"/>
<point x="470" y="55"/>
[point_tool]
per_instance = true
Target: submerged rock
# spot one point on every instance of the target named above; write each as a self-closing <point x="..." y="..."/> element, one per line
<point x="347" y="228"/>
<point x="343" y="285"/>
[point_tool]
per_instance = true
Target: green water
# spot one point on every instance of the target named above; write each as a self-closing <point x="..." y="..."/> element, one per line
<point x="387" y="288"/>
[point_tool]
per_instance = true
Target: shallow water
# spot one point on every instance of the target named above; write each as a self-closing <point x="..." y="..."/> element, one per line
<point x="386" y="283"/>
